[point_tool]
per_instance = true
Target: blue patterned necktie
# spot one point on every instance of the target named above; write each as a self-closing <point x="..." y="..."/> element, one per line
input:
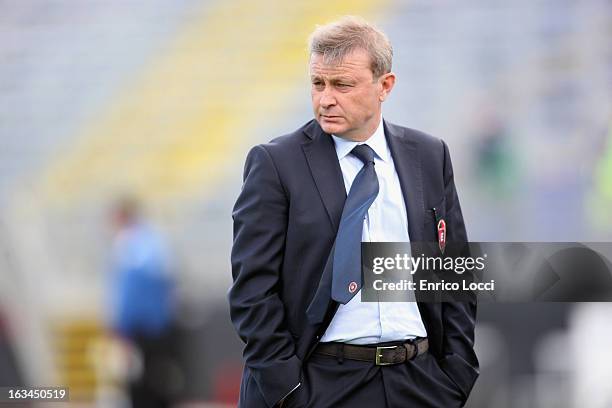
<point x="345" y="257"/>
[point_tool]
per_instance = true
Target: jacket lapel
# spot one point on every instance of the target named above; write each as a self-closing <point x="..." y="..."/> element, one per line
<point x="408" y="165"/>
<point x="325" y="169"/>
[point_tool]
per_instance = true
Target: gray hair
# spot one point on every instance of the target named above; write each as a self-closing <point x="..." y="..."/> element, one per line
<point x="337" y="39"/>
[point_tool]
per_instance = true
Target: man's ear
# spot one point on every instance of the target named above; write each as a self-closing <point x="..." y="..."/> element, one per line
<point x="387" y="81"/>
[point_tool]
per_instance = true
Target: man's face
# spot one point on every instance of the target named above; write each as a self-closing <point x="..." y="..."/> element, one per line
<point x="346" y="98"/>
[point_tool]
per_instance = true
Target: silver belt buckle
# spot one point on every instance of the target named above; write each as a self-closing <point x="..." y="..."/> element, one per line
<point x="379" y="355"/>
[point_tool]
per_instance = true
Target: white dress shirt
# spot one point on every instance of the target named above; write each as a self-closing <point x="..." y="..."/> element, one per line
<point x="360" y="322"/>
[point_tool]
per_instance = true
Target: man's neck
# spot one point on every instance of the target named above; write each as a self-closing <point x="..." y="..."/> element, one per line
<point x="365" y="135"/>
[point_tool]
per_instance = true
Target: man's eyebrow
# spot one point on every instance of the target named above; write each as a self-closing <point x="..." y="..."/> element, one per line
<point x="341" y="79"/>
<point x="333" y="79"/>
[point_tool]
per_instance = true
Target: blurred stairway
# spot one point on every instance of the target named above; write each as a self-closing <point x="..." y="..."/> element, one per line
<point x="72" y="344"/>
<point x="173" y="129"/>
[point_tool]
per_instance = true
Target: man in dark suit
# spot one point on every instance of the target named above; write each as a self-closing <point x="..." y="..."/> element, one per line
<point x="309" y="340"/>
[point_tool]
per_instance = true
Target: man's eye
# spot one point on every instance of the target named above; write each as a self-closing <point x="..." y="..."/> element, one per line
<point x="343" y="86"/>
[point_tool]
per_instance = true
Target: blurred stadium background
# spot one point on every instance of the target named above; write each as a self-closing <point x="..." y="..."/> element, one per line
<point x="162" y="99"/>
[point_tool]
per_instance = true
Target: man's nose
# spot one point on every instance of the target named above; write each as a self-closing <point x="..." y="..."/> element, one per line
<point x="327" y="98"/>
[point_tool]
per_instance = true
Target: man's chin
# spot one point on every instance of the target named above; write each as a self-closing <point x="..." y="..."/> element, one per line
<point x="331" y="128"/>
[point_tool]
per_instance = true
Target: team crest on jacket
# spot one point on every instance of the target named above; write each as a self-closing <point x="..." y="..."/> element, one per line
<point x="442" y="235"/>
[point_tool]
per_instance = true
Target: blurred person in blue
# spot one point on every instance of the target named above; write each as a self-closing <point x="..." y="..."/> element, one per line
<point x="308" y="200"/>
<point x="141" y="301"/>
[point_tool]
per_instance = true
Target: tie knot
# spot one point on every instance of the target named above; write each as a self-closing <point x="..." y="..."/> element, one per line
<point x="364" y="153"/>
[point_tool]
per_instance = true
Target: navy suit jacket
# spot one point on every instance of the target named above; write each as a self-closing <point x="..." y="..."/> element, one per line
<point x="285" y="222"/>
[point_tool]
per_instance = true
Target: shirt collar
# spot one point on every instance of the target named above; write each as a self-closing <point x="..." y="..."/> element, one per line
<point x="377" y="142"/>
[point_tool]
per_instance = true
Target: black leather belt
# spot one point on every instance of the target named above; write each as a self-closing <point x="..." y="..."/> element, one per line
<point x="379" y="355"/>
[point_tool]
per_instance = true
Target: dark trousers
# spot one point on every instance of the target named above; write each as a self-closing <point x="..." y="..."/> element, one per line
<point x="151" y="389"/>
<point x="328" y="382"/>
